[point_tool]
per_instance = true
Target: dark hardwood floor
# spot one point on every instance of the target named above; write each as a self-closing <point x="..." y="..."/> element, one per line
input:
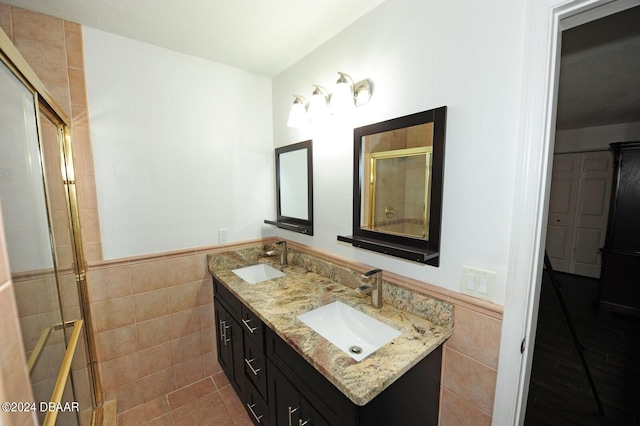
<point x="559" y="392"/>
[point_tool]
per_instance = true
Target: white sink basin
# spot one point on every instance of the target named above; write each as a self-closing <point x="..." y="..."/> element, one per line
<point x="351" y="330"/>
<point x="256" y="273"/>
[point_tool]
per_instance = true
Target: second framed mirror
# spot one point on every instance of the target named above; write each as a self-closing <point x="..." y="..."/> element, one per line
<point x="294" y="188"/>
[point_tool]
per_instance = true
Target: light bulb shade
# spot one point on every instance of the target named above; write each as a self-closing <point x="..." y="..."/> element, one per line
<point x="298" y="114"/>
<point x="342" y="100"/>
<point x="362" y="92"/>
<point x="318" y="105"/>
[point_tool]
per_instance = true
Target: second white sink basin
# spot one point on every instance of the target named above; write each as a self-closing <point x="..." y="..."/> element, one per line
<point x="256" y="273"/>
<point x="353" y="331"/>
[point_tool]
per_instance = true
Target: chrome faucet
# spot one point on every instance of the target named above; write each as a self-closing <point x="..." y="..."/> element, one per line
<point x="376" y="296"/>
<point x="283" y="252"/>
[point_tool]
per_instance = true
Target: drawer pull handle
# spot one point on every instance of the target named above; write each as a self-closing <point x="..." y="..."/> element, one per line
<point x="250" y="407"/>
<point x="246" y="324"/>
<point x="305" y="423"/>
<point x="253" y="370"/>
<point x="291" y="411"/>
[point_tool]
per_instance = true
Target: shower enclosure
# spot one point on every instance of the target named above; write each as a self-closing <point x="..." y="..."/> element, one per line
<point x="39" y="206"/>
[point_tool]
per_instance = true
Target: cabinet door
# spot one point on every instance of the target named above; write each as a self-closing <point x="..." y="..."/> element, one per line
<point x="284" y="406"/>
<point x="229" y="346"/>
<point x="309" y="416"/>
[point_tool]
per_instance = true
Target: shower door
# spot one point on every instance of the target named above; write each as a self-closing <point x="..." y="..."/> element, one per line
<point x="36" y="193"/>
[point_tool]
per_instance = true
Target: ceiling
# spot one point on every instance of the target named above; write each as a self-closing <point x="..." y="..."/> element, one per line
<point x="262" y="36"/>
<point x="599" y="72"/>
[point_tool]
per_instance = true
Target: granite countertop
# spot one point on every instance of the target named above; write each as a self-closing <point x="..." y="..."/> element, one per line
<point x="279" y="301"/>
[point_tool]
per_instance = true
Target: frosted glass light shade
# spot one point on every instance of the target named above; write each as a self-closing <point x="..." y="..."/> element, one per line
<point x="318" y="107"/>
<point x="297" y="115"/>
<point x="342" y="99"/>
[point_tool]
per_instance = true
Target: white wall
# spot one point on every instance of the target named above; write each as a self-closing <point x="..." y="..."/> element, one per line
<point x="422" y="55"/>
<point x="595" y="138"/>
<point x="182" y="147"/>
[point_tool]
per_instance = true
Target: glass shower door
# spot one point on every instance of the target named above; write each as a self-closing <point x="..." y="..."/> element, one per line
<point x="42" y="251"/>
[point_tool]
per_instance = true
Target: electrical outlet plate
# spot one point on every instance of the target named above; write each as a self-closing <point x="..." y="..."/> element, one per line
<point x="478" y="283"/>
<point x="223" y="235"/>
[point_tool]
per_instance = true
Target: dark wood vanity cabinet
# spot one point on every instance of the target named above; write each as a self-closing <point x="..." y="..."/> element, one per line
<point x="240" y="346"/>
<point x="280" y="388"/>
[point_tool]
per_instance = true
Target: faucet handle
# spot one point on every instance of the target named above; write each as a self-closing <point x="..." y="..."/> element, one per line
<point x="371" y="273"/>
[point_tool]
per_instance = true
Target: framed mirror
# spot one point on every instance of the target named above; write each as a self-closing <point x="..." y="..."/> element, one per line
<point x="397" y="186"/>
<point x="294" y="188"/>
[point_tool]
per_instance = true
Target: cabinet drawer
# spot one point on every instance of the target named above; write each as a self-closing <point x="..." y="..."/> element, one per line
<point x="256" y="406"/>
<point x="253" y="327"/>
<point x="230" y="301"/>
<point x="255" y="366"/>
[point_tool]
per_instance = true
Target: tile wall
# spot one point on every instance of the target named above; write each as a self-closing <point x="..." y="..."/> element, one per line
<point x="153" y="316"/>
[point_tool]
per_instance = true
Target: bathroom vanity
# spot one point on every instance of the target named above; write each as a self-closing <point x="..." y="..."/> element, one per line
<point x="287" y="374"/>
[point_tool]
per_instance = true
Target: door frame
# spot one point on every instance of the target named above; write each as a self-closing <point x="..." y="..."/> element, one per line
<point x="544" y="22"/>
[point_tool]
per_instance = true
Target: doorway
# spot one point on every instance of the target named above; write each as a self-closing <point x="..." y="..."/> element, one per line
<point x="559" y="392"/>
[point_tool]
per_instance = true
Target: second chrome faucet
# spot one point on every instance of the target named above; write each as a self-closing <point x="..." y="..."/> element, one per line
<point x="374" y="277"/>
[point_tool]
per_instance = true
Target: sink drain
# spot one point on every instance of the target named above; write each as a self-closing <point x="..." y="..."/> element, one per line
<point x="355" y="349"/>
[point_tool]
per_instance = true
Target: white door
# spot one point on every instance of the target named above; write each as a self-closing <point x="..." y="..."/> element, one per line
<point x="592" y="208"/>
<point x="562" y="208"/>
<point x="578" y="209"/>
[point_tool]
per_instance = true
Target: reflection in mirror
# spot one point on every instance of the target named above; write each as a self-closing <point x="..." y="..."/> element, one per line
<point x="398" y="186"/>
<point x="294" y="188"/>
<point x="398" y="167"/>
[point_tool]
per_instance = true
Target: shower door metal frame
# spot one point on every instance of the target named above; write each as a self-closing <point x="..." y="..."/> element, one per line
<point x="427" y="151"/>
<point x="48" y="106"/>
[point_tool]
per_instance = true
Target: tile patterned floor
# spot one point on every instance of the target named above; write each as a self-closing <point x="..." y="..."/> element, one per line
<point x="208" y="402"/>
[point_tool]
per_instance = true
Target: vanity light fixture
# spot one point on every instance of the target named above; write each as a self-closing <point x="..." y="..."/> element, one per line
<point x="318" y="105"/>
<point x="298" y="114"/>
<point x="347" y="94"/>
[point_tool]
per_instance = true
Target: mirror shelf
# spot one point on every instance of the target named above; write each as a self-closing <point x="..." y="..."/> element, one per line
<point x="302" y="229"/>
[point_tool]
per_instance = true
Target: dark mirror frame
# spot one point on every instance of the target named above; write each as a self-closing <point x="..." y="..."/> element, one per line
<point x="303" y="226"/>
<point x="414" y="249"/>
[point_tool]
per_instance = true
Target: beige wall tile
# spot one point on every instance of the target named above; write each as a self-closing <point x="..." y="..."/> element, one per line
<point x="159" y="384"/>
<point x="455" y="411"/>
<point x="470" y="379"/>
<point x="207" y="316"/>
<point x="75" y="54"/>
<point x="476" y="335"/>
<point x="38" y="27"/>
<point x="154" y="332"/>
<point x="112" y="314"/>
<point x="184" y="296"/>
<point x="120" y="371"/>
<point x="181" y="270"/>
<point x="206" y="290"/>
<point x="152" y="304"/>
<point x="117" y="342"/>
<point x="91" y="226"/>
<point x="189" y="371"/>
<point x="109" y="283"/>
<point x="184" y="323"/>
<point x="211" y="365"/>
<point x="5" y="20"/>
<point x="49" y="64"/>
<point x="128" y="395"/>
<point x="156" y="358"/>
<point x="144" y="412"/>
<point x="147" y="276"/>
<point x="77" y="86"/>
<point x="25" y="292"/>
<point x="186" y="348"/>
